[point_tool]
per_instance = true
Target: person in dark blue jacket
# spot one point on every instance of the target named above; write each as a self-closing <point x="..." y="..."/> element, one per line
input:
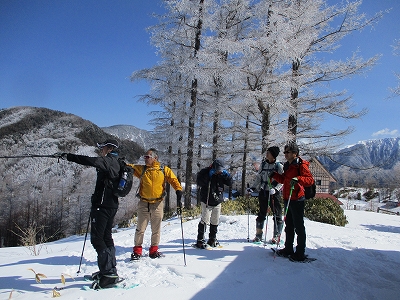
<point x="211" y="182"/>
<point x="103" y="210"/>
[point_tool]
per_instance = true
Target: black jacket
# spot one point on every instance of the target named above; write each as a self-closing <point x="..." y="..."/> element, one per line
<point x="107" y="168"/>
<point x="214" y="185"/>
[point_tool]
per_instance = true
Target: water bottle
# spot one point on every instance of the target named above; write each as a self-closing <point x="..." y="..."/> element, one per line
<point x="122" y="182"/>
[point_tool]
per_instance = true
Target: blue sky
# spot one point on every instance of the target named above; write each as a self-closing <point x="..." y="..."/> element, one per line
<point x="77" y="56"/>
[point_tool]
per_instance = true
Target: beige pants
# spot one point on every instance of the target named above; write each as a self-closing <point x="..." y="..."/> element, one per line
<point x="152" y="212"/>
<point x="210" y="214"/>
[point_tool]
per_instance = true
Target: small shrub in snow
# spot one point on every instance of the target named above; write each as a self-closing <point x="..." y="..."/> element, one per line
<point x="325" y="211"/>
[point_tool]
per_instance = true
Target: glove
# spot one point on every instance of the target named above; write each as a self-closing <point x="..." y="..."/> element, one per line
<point x="294" y="181"/>
<point x="211" y="173"/>
<point x="225" y="173"/>
<point x="61" y="155"/>
<point x="272" y="191"/>
<point x="179" y="198"/>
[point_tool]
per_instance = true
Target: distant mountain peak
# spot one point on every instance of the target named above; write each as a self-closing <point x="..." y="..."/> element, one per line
<point x="369" y="159"/>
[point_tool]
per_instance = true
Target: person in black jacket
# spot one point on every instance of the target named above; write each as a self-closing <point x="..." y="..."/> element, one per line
<point x="103" y="210"/>
<point x="211" y="182"/>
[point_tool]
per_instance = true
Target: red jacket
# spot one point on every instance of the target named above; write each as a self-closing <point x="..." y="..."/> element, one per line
<point x="298" y="168"/>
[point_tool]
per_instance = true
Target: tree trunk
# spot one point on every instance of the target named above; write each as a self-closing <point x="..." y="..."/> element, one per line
<point x="292" y="121"/>
<point x="192" y="117"/>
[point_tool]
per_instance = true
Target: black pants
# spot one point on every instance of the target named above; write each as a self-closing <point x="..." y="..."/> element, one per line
<point x="295" y="224"/>
<point x="276" y="209"/>
<point x="101" y="238"/>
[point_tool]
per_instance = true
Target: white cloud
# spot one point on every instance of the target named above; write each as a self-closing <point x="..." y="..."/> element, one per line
<point x="386" y="131"/>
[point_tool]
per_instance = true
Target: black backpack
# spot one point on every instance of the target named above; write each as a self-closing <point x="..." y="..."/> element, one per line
<point x="125" y="180"/>
<point x="309" y="191"/>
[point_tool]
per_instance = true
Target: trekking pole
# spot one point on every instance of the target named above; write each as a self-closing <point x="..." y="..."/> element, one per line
<point x="284" y="219"/>
<point x="84" y="242"/>
<point x="27" y="155"/>
<point x="179" y="211"/>
<point x="248" y="213"/>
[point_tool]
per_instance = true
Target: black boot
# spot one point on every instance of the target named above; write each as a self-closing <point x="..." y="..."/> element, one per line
<point x="105" y="281"/>
<point x="212" y="237"/>
<point x="259" y="231"/>
<point x="201" y="229"/>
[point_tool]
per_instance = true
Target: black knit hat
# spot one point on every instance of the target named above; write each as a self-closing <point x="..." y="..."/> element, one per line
<point x="274" y="150"/>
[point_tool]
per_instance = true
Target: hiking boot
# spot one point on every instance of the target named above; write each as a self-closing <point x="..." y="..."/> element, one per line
<point x="213" y="243"/>
<point x="96" y="275"/>
<point x="275" y="239"/>
<point x="156" y="254"/>
<point x="135" y="256"/>
<point x="258" y="238"/>
<point x="297" y="256"/>
<point x="136" y="253"/>
<point x="284" y="252"/>
<point x="105" y="281"/>
<point x="201" y="244"/>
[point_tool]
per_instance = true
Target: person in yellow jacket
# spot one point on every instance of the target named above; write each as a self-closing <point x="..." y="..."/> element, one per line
<point x="153" y="178"/>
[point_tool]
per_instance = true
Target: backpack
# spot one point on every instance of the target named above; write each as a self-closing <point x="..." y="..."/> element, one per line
<point x="309" y="191"/>
<point x="125" y="180"/>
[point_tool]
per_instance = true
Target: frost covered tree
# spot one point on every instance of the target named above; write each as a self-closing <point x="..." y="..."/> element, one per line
<point x="252" y="72"/>
<point x="174" y="81"/>
<point x="315" y="31"/>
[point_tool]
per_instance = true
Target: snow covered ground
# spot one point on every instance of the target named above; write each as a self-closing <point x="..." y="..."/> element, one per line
<point x="358" y="261"/>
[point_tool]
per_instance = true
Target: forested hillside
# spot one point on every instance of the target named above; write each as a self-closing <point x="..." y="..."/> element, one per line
<point x="44" y="193"/>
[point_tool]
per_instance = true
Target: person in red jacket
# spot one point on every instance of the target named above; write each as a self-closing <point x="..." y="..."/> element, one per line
<point x="296" y="175"/>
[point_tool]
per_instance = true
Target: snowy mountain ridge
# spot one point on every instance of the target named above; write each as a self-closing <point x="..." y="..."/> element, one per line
<point x="132" y="133"/>
<point x="370" y="160"/>
<point x="380" y="155"/>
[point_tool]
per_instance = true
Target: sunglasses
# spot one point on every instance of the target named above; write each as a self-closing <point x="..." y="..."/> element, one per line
<point x="147" y="156"/>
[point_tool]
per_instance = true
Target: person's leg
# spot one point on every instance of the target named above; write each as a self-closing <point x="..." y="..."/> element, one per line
<point x="97" y="228"/>
<point x="289" y="230"/>
<point x="112" y="263"/>
<point x="202" y="227"/>
<point x="214" y="221"/>
<point x="277" y="214"/>
<point x="156" y="216"/>
<point x="108" y="240"/>
<point x="106" y="261"/>
<point x="143" y="212"/>
<point x="102" y="241"/>
<point x="289" y="227"/>
<point x="262" y="213"/>
<point x="298" y="220"/>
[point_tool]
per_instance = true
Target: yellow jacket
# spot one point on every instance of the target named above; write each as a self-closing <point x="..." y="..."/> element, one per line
<point x="152" y="183"/>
